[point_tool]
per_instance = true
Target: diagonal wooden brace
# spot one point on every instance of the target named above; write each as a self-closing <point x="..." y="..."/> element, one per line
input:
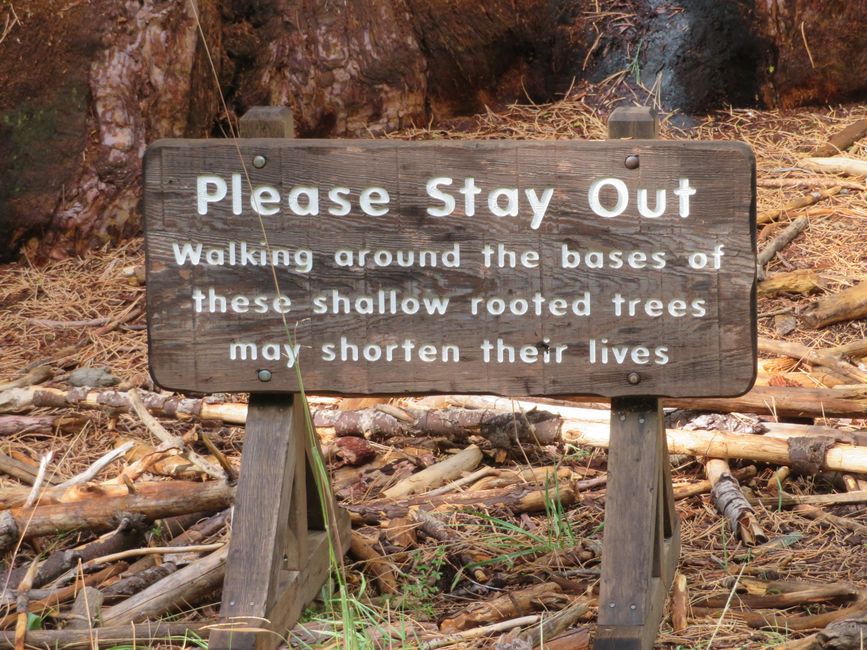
<point x="276" y="562"/>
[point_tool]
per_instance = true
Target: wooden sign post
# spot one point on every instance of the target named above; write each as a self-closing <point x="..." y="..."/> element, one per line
<point x="623" y="268"/>
<point x="641" y="540"/>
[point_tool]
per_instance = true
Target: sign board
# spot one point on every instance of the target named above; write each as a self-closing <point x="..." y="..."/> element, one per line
<point x="563" y="267"/>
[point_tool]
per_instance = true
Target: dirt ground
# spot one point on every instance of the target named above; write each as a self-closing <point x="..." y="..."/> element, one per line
<point x="89" y="313"/>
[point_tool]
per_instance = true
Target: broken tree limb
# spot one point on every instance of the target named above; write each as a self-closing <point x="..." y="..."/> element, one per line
<point x="822" y="517"/>
<point x="362" y="547"/>
<point x="778" y="243"/>
<point x="800" y="281"/>
<point x="515" y="499"/>
<point x="508" y="605"/>
<point x="442" y="472"/>
<point x="99" y="513"/>
<point x="156" y="490"/>
<point x="68" y="593"/>
<point x="785" y="500"/>
<point x="502" y="432"/>
<point x="13" y="424"/>
<point x="107" y="637"/>
<point x="170" y="441"/>
<point x="32" y="377"/>
<point x="849" y="304"/>
<point x="679" y="604"/>
<point x="730" y="503"/>
<point x="800" y="202"/>
<point x="842" y="139"/>
<point x="818" y="357"/>
<point x="784" y="402"/>
<point x="694" y="488"/>
<point x="835" y="165"/>
<point x="591" y="427"/>
<point x="182" y="408"/>
<point x="143" y="572"/>
<point x="129" y="533"/>
<point x="811" y="181"/>
<point x="22" y="471"/>
<point x="173" y="592"/>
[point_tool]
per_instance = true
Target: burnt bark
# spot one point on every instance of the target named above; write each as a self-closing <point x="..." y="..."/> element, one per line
<point x="84" y="87"/>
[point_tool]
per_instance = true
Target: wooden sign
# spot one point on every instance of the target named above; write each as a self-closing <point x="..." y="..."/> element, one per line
<point x="569" y="267"/>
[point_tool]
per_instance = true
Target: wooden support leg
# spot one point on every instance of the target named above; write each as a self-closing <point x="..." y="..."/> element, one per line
<point x="641" y="542"/>
<point x="275" y="565"/>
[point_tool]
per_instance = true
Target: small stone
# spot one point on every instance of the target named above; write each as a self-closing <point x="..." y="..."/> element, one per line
<point x="92" y="377"/>
<point x="785" y="324"/>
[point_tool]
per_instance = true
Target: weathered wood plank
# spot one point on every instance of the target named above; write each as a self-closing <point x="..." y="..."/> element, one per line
<point x="708" y="355"/>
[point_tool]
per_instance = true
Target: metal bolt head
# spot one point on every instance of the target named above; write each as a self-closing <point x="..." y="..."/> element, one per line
<point x="611" y="605"/>
<point x="631" y="161"/>
<point x="259" y="161"/>
<point x="264" y="375"/>
<point x="633" y="607"/>
<point x="633" y="378"/>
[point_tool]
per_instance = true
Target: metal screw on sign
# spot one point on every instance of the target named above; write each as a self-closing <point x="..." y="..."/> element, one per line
<point x="264" y="375"/>
<point x="259" y="161"/>
<point x="633" y="378"/>
<point x="631" y="162"/>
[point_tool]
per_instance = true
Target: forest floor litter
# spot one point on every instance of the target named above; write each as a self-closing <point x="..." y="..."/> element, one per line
<point x="477" y="521"/>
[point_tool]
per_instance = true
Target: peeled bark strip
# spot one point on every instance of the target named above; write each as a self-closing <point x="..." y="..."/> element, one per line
<point x="849" y="304"/>
<point x="730" y="503"/>
<point x="99" y="513"/>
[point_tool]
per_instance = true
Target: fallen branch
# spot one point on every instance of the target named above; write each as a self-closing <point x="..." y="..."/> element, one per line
<point x="173" y="442"/>
<point x="835" y="165"/>
<point x="438" y="474"/>
<point x="363" y="548"/>
<point x="778" y="243"/>
<point x="842" y="139"/>
<point x="508" y="605"/>
<point x="849" y="304"/>
<point x="795" y="204"/>
<point x="845" y="634"/>
<point x="32" y="377"/>
<point x="819" y="357"/>
<point x="810" y="181"/>
<point x="173" y="592"/>
<point x="98" y="514"/>
<point x="800" y="281"/>
<point x="107" y="637"/>
<point x="592" y="427"/>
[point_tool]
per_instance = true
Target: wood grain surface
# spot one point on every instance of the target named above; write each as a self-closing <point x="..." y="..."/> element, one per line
<point x="711" y="355"/>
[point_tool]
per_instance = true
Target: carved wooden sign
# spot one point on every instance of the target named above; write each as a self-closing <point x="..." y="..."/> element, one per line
<point x="569" y="267"/>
